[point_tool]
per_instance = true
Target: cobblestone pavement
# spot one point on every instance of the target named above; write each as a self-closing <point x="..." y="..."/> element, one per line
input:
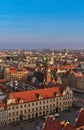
<point x="69" y="116"/>
<point x="25" y="125"/>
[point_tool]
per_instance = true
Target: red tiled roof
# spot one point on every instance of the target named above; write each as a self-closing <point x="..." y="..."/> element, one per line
<point x="3" y="80"/>
<point x="69" y="127"/>
<point x="24" y="69"/>
<point x="3" y="105"/>
<point x="52" y="124"/>
<point x="13" y="69"/>
<point x="80" y="121"/>
<point x="28" y="96"/>
<point x="65" y="67"/>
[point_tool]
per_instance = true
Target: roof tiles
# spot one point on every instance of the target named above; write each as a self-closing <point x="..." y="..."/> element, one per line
<point x="80" y="121"/>
<point x="28" y="96"/>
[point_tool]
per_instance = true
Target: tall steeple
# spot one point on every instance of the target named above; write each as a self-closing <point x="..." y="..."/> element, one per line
<point x="59" y="80"/>
<point x="48" y="74"/>
<point x="52" y="58"/>
<point x="48" y="77"/>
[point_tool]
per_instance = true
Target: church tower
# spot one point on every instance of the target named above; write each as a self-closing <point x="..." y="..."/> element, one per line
<point x="48" y="78"/>
<point x="48" y="74"/>
<point x="52" y="58"/>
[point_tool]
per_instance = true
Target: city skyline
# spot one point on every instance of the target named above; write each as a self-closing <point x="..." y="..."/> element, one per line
<point x="41" y="24"/>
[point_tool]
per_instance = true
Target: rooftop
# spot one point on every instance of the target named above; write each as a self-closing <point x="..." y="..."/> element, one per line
<point x="52" y="124"/>
<point x="28" y="96"/>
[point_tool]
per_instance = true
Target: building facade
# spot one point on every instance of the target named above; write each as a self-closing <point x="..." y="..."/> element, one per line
<point x="13" y="74"/>
<point x="31" y="104"/>
<point x="3" y="114"/>
<point x="77" y="81"/>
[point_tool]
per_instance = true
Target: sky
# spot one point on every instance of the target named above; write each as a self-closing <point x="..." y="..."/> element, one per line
<point x="37" y="24"/>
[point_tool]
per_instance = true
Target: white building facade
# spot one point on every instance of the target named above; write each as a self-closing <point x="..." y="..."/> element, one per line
<point x="31" y="104"/>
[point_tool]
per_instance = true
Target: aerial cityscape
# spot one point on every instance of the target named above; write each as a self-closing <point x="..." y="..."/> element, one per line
<point x="41" y="65"/>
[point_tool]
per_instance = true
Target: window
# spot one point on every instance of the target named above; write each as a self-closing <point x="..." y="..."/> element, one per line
<point x="28" y="105"/>
<point x="13" y="108"/>
<point x="32" y="109"/>
<point x="36" y="103"/>
<point x="47" y="101"/>
<point x="16" y="107"/>
<point x="20" y="106"/>
<point x="60" y="99"/>
<point x="36" y="108"/>
<point x="50" y="111"/>
<point x="13" y="113"/>
<point x="40" y="102"/>
<point x="24" y="111"/>
<point x="29" y="116"/>
<point x="47" y="106"/>
<point x="29" y="110"/>
<point x="32" y="104"/>
<point x="9" y="108"/>
<point x="64" y="96"/>
<point x="24" y="105"/>
<point x="13" y="119"/>
<point x="70" y="102"/>
<point x="43" y="107"/>
<point x="43" y="102"/>
<point x="25" y="116"/>
<point x="20" y="112"/>
<point x="50" y="105"/>
<point x="40" y="113"/>
<point x="16" y="112"/>
<point x="47" y="111"/>
<point x="32" y="115"/>
<point x="9" y="114"/>
<point x="17" y="118"/>
<point x="43" y="112"/>
<point x="9" y="120"/>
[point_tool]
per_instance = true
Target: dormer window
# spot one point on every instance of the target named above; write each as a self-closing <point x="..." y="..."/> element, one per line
<point x="39" y="96"/>
<point x="68" y="89"/>
<point x="55" y="94"/>
<point x="20" y="100"/>
<point x="10" y="100"/>
<point x="64" y="93"/>
<point x="10" y="96"/>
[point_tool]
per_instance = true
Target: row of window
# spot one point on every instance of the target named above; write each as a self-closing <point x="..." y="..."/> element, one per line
<point x="46" y="106"/>
<point x="55" y="100"/>
<point x="33" y="115"/>
<point x="67" y="103"/>
<point x="68" y="96"/>
<point x="32" y="110"/>
<point x="40" y="108"/>
<point x="28" y="105"/>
